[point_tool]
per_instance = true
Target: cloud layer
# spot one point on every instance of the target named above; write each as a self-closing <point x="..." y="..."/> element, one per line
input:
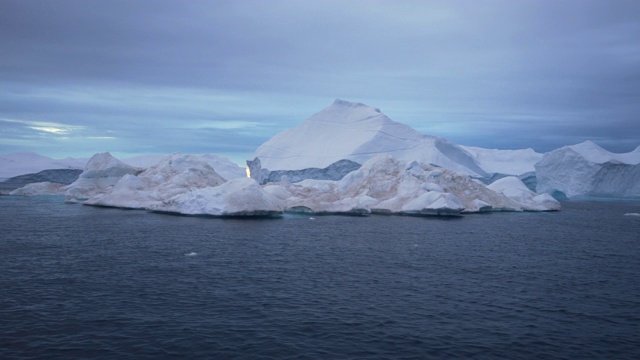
<point x="223" y="76"/>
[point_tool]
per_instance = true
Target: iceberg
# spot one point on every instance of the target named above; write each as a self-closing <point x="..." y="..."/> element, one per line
<point x="183" y="184"/>
<point x="100" y="174"/>
<point x="242" y="197"/>
<point x="386" y="185"/>
<point x="509" y="162"/>
<point x="587" y="170"/>
<point x="341" y="137"/>
<point x="173" y="175"/>
<point x="354" y="132"/>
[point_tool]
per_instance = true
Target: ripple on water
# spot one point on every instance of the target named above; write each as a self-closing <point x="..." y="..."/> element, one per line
<point x="93" y="282"/>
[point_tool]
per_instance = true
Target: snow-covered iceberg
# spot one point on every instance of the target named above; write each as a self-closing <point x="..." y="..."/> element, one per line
<point x="237" y="197"/>
<point x="188" y="184"/>
<point x="390" y="186"/>
<point x="100" y="174"/>
<point x="587" y="170"/>
<point x="339" y="138"/>
<point x="173" y="175"/>
<point x="514" y="189"/>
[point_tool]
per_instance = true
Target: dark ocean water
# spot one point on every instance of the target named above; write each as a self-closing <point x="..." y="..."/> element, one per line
<point x="85" y="282"/>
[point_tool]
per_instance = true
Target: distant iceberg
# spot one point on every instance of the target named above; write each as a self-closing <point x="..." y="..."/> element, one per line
<point x="587" y="170"/>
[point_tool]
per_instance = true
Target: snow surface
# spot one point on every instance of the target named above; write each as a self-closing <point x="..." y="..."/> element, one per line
<point x="587" y="170"/>
<point x="511" y="162"/>
<point x="188" y="184"/>
<point x="592" y="152"/>
<point x="237" y="197"/>
<point x="357" y="132"/>
<point x="173" y="175"/>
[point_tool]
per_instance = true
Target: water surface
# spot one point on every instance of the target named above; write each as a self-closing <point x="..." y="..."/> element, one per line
<point x="81" y="281"/>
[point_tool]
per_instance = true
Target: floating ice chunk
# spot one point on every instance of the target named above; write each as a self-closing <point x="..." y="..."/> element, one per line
<point x="514" y="189"/>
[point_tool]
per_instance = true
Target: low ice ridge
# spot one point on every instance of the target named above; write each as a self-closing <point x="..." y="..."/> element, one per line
<point x="187" y="184"/>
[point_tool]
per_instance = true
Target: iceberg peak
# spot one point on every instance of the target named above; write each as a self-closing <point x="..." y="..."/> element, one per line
<point x="356" y="132"/>
<point x="348" y="104"/>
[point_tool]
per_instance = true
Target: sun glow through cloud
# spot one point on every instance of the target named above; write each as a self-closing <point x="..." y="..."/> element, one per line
<point x="48" y="129"/>
<point x="46" y="126"/>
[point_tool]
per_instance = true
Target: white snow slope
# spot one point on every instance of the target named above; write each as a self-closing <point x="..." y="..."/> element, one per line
<point x="586" y="170"/>
<point x="357" y="132"/>
<point x="513" y="162"/>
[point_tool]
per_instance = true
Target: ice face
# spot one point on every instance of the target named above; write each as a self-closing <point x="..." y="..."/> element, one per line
<point x="586" y="169"/>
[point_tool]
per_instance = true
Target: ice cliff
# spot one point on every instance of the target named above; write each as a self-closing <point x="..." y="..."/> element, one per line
<point x="587" y="170"/>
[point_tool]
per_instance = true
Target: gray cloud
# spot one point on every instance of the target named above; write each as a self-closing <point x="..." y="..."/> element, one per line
<point x="487" y="73"/>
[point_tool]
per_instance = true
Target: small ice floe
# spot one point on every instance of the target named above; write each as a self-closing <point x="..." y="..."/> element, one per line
<point x="191" y="254"/>
<point x="632" y="214"/>
<point x="312" y="218"/>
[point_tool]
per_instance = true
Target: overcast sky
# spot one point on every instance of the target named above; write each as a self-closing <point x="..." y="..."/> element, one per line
<point x="142" y="77"/>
